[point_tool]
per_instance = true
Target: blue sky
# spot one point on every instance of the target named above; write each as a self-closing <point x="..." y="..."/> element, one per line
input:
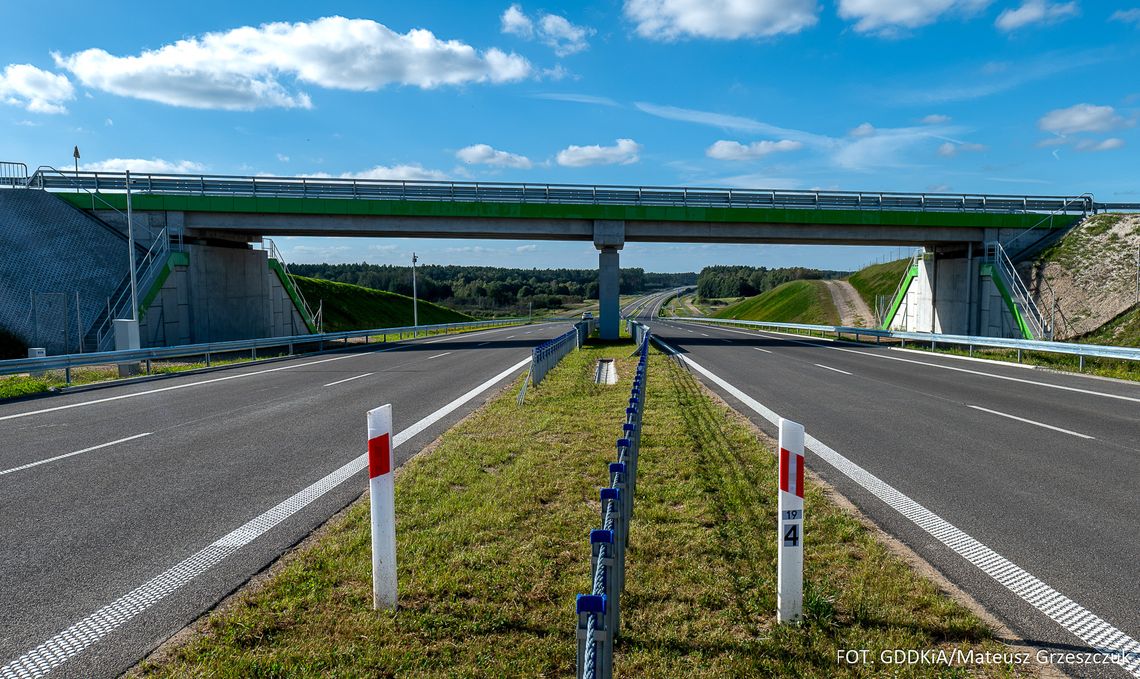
<point x="998" y="96"/>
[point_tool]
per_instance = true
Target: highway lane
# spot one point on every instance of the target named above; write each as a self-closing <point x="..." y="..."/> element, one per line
<point x="219" y="450"/>
<point x="1034" y="489"/>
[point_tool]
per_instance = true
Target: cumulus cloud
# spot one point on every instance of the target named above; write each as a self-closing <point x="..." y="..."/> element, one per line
<point x="733" y="150"/>
<point x="1128" y="16"/>
<point x="1109" y="144"/>
<point x="1081" y="118"/>
<point x="411" y="172"/>
<point x="1036" y="12"/>
<point x="951" y="148"/>
<point x="145" y="166"/>
<point x="623" y="152"/>
<point x="890" y="16"/>
<point x="863" y="130"/>
<point x="720" y="19"/>
<point x="483" y="154"/>
<point x="255" y="67"/>
<point x="35" y="89"/>
<point x="935" y="119"/>
<point x="555" y="31"/>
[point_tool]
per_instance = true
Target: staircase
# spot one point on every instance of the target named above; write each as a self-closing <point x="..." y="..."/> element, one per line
<point x="1031" y="320"/>
<point x="148" y="267"/>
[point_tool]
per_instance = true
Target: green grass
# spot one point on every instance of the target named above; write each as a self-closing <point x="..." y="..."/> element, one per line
<point x="22" y="385"/>
<point x="492" y="547"/>
<point x="1124" y="330"/>
<point x="804" y="301"/>
<point x="878" y="280"/>
<point x="352" y="307"/>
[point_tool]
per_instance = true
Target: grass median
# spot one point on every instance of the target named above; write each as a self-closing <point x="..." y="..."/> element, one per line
<point x="492" y="530"/>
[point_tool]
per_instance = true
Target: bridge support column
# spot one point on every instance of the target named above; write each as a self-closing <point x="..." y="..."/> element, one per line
<point x="609" y="237"/>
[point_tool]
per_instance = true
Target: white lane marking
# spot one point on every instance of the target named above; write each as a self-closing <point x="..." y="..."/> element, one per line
<point x="1078" y="390"/>
<point x="482" y="343"/>
<point x="348" y="379"/>
<point x="437" y="355"/>
<point x="1035" y="422"/>
<point x="80" y="636"/>
<point x="509" y="337"/>
<point x="764" y="350"/>
<point x="1086" y="626"/>
<point x="466" y="335"/>
<point x="78" y="452"/>
<point x="827" y="367"/>
<point x="702" y="334"/>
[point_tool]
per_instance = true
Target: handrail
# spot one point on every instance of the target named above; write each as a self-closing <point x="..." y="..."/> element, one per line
<point x="997" y="256"/>
<point x="1047" y="346"/>
<point x="14" y="174"/>
<point x="602" y="194"/>
<point x="68" y="361"/>
<point x="1086" y="200"/>
<point x="146" y="272"/>
<point x="274" y="253"/>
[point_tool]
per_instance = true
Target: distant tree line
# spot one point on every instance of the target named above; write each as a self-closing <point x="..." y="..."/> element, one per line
<point x="490" y="289"/>
<point x="745" y="281"/>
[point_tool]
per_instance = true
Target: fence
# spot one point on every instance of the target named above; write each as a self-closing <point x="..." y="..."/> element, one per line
<point x="934" y="339"/>
<point x="599" y="612"/>
<point x="208" y="351"/>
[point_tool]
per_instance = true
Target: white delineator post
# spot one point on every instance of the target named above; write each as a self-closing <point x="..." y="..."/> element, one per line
<point x="382" y="493"/>
<point x="790" y="545"/>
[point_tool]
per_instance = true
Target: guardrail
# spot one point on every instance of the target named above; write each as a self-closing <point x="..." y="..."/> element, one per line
<point x="934" y="339"/>
<point x="601" y="194"/>
<point x="599" y="612"/>
<point x="66" y="362"/>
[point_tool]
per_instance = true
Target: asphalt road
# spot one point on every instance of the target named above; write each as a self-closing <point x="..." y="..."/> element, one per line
<point x="214" y="452"/>
<point x="1054" y="492"/>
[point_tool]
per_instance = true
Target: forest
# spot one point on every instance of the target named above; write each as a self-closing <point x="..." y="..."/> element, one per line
<point x="745" y="281"/>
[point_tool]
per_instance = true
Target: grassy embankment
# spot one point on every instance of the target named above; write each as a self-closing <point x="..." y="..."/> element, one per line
<point x="878" y="280"/>
<point x="346" y="307"/>
<point x="492" y="548"/>
<point x="803" y="301"/>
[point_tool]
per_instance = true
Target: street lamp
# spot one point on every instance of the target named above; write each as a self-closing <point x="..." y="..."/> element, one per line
<point x="415" y="305"/>
<point x="75" y="155"/>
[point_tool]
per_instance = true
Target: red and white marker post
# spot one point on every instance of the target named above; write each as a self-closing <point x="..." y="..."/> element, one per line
<point x="382" y="492"/>
<point x="790" y="544"/>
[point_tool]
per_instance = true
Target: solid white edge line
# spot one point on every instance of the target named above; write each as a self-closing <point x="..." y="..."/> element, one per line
<point x="827" y="367"/>
<point x="1033" y="422"/>
<point x="83" y="634"/>
<point x="816" y="343"/>
<point x="78" y="452"/>
<point x="1093" y="630"/>
<point x="764" y="350"/>
<point x="437" y="355"/>
<point x="348" y="379"/>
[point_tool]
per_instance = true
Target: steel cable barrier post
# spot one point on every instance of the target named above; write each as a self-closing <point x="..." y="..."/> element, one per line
<point x="612" y="521"/>
<point x="593" y="637"/>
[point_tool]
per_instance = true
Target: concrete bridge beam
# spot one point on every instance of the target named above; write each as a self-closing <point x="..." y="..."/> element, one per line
<point x="609" y="238"/>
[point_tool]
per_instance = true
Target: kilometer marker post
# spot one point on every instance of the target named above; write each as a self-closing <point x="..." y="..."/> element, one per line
<point x="790" y="505"/>
<point x="381" y="491"/>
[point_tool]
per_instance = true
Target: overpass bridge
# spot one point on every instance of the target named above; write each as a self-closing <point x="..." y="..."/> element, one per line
<point x="237" y="210"/>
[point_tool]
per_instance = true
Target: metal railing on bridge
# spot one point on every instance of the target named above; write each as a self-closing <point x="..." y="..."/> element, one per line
<point x="599" y="612"/>
<point x="543" y="193"/>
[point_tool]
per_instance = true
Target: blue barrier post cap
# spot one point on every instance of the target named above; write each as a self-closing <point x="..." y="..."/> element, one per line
<point x="610" y="494"/>
<point x="601" y="535"/>
<point x="628" y="426"/>
<point x="617" y="467"/>
<point x="591" y="603"/>
<point x="631" y="411"/>
<point x="624" y="443"/>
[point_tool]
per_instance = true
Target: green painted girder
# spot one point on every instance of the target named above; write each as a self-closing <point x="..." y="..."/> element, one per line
<point x="629" y="213"/>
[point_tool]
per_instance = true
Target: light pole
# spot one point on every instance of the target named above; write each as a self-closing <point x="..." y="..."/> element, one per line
<point x="415" y="305"/>
<point x="75" y="155"/>
<point x="131" y="254"/>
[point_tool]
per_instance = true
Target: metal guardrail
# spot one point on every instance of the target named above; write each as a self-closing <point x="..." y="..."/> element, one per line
<point x="547" y="355"/>
<point x="601" y="194"/>
<point x="934" y="339"/>
<point x="13" y="174"/>
<point x="66" y="362"/>
<point x="599" y="612"/>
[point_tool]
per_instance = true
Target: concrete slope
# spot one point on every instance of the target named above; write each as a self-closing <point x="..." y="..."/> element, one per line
<point x="1039" y="467"/>
<point x="214" y="452"/>
<point x="853" y="310"/>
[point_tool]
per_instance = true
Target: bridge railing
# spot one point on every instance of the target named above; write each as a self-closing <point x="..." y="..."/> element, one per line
<point x="599" y="612"/>
<point x="542" y="193"/>
<point x="934" y="339"/>
<point x="210" y="351"/>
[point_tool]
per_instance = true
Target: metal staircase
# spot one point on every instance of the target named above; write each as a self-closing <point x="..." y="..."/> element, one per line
<point x="1002" y="266"/>
<point x="148" y="267"/>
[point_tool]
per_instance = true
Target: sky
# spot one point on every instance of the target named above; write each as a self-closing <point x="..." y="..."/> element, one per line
<point x="995" y="96"/>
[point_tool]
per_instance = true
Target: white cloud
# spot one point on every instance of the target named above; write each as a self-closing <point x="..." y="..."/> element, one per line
<point x="1081" y="118"/>
<point x="35" y="89"/>
<point x="1128" y="16"/>
<point x="555" y="31"/>
<point x="732" y="150"/>
<point x="1036" y="12"/>
<point x="623" y="152"/>
<point x="411" y="172"/>
<point x="244" y="68"/>
<point x="720" y="19"/>
<point x="935" y="119"/>
<point x="514" y="22"/>
<point x="482" y="154"/>
<point x="577" y="98"/>
<point x="730" y="122"/>
<point x="109" y="123"/>
<point x="145" y="166"/>
<point x="950" y="149"/>
<point x="888" y="17"/>
<point x="1109" y="144"/>
<point x="531" y="247"/>
<point x="863" y="130"/>
<point x="281" y="157"/>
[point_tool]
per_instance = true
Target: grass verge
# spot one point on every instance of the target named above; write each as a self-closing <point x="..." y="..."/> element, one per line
<point x="878" y="280"/>
<point x="803" y="301"/>
<point x="353" y="307"/>
<point x="492" y="547"/>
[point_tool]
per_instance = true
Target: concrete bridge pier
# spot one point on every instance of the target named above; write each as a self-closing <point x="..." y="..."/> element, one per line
<point x="609" y="238"/>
